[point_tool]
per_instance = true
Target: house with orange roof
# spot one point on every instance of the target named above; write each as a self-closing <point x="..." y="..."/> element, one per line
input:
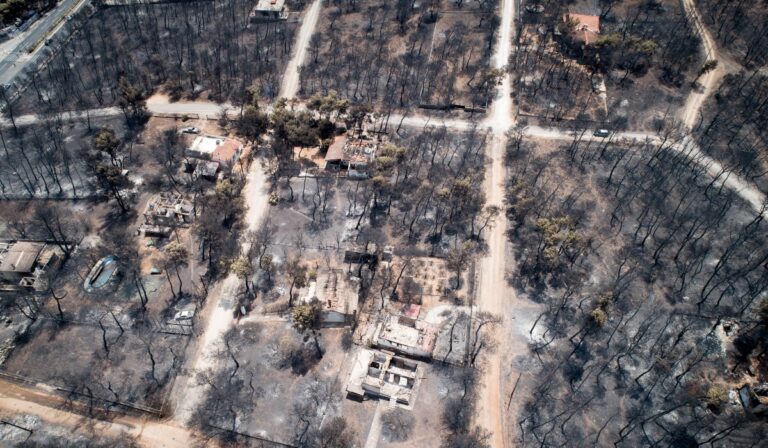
<point x="224" y="150"/>
<point x="587" y="28"/>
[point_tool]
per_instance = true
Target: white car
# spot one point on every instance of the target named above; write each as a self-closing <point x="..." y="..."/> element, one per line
<point x="184" y="315"/>
<point x="190" y="130"/>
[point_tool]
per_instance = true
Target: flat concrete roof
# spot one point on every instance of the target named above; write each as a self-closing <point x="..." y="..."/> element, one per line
<point x="421" y="335"/>
<point x="270" y="5"/>
<point x="21" y="256"/>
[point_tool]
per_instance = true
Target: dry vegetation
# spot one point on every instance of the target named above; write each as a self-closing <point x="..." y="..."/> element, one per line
<point x="647" y="54"/>
<point x="739" y="27"/>
<point x="394" y="55"/>
<point x="116" y="347"/>
<point x="732" y="127"/>
<point x="652" y="278"/>
<point x="119" y="55"/>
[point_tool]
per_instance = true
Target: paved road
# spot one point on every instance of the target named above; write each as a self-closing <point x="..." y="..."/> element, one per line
<point x="12" y="64"/>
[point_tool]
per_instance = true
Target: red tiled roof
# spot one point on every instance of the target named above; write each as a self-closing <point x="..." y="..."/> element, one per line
<point x="336" y="150"/>
<point x="226" y="152"/>
<point x="587" y="28"/>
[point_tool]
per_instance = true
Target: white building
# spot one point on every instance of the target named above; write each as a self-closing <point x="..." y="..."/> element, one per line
<point x="269" y="10"/>
<point x="224" y="150"/>
<point x="406" y="336"/>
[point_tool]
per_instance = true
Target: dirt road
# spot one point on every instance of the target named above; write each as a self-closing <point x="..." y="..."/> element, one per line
<point x="256" y="193"/>
<point x="493" y="294"/>
<point x="187" y="392"/>
<point x="290" y="86"/>
<point x="689" y="114"/>
<point x="18" y="400"/>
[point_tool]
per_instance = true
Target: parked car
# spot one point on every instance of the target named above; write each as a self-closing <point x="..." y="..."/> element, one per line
<point x="184" y="315"/>
<point x="602" y="133"/>
<point x="190" y="130"/>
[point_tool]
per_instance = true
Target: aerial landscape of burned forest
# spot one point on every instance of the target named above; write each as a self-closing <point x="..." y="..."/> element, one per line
<point x="435" y="54"/>
<point x="394" y="224"/>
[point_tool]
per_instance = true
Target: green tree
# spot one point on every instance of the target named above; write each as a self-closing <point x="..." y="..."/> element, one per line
<point x="176" y="255"/>
<point x="131" y="100"/>
<point x="298" y="274"/>
<point x="292" y="129"/>
<point x="112" y="180"/>
<point x="356" y="116"/>
<point x="327" y="105"/>
<point x="106" y="142"/>
<point x="306" y="319"/>
<point x="243" y="269"/>
<point x="252" y="124"/>
<point x="706" y="68"/>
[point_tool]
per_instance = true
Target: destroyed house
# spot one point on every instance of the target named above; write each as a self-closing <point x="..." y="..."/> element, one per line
<point x="168" y="210"/>
<point x="206" y="170"/>
<point x="368" y="254"/>
<point x="406" y="336"/>
<point x="350" y="157"/>
<point x="337" y="296"/>
<point x="382" y="375"/>
<point x="27" y="264"/>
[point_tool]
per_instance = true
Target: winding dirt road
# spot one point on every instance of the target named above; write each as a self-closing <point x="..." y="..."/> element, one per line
<point x="494" y="295"/>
